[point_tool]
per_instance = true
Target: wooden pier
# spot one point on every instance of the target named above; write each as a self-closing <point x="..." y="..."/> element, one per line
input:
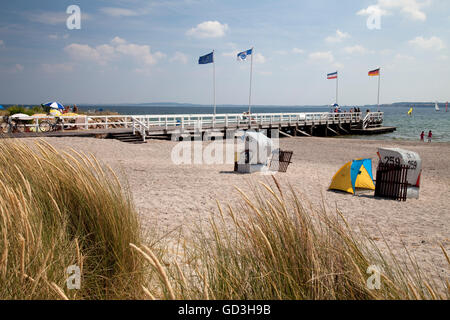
<point x="135" y="128"/>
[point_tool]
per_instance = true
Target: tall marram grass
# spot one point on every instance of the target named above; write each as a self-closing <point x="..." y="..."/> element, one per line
<point x="63" y="208"/>
<point x="275" y="247"/>
<point x="59" y="209"/>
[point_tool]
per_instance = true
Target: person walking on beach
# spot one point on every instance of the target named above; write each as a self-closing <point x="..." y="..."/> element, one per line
<point x="422" y="136"/>
<point x="430" y="135"/>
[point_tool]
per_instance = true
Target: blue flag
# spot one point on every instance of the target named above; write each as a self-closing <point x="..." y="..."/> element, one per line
<point x="243" y="55"/>
<point x="209" y="58"/>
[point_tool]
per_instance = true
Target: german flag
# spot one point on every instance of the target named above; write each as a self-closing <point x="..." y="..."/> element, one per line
<point x="374" y="73"/>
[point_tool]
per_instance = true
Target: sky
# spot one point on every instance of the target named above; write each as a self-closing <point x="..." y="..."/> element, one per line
<point x="139" y="51"/>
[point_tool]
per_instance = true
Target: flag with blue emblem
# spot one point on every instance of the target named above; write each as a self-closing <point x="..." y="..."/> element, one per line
<point x="243" y="55"/>
<point x="208" y="58"/>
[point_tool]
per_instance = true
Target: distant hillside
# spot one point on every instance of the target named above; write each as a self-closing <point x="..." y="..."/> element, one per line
<point x="180" y="105"/>
<point x="162" y="104"/>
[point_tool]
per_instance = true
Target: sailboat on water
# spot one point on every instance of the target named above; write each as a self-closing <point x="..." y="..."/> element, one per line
<point x="436" y="106"/>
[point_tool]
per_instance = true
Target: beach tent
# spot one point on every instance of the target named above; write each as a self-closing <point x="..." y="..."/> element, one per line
<point x="354" y="174"/>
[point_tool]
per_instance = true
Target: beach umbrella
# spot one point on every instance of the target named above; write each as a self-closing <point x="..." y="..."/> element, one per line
<point x="54" y="105"/>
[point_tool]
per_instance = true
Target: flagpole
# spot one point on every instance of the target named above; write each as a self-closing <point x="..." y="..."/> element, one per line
<point x="337" y="86"/>
<point x="214" y="83"/>
<point x="379" y="80"/>
<point x="251" y="74"/>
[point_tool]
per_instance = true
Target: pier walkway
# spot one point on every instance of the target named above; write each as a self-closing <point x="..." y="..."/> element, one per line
<point x="152" y="126"/>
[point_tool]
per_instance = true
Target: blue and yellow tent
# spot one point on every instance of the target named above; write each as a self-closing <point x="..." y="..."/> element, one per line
<point x="355" y="174"/>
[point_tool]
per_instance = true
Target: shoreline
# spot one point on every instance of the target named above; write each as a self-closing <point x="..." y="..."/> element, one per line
<point x="342" y="137"/>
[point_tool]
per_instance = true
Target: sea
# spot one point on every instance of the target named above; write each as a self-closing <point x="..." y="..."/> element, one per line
<point x="423" y="118"/>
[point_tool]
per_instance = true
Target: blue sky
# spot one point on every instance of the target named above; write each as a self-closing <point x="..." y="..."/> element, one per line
<point x="147" y="51"/>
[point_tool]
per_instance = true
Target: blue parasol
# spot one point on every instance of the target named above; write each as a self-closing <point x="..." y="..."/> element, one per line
<point x="54" y="105"/>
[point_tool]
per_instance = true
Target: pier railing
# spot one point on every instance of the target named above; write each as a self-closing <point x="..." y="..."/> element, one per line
<point x="372" y="118"/>
<point x="232" y="120"/>
<point x="147" y="123"/>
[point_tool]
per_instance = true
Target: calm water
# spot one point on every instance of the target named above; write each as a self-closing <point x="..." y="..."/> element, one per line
<point x="408" y="127"/>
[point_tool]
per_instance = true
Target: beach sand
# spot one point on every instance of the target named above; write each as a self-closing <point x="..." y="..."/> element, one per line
<point x="171" y="196"/>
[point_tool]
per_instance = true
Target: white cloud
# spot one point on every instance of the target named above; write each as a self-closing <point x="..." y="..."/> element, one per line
<point x="121" y="12"/>
<point x="356" y="49"/>
<point x="281" y="52"/>
<point x="325" y="57"/>
<point x="373" y="10"/>
<point x="100" y="54"/>
<point x="141" y="53"/>
<point x="118" y="41"/>
<point x="179" y="57"/>
<point x="259" y="58"/>
<point x="411" y="8"/>
<point x="208" y="29"/>
<point x="338" y="37"/>
<point x="53" y="17"/>
<point x="322" y="56"/>
<point x="104" y="53"/>
<point x="56" y="68"/>
<point x="265" y="73"/>
<point x="298" y="51"/>
<point x="404" y="57"/>
<point x="433" y="43"/>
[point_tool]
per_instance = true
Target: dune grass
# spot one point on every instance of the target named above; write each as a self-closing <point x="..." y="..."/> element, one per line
<point x="274" y="247"/>
<point x="60" y="209"/>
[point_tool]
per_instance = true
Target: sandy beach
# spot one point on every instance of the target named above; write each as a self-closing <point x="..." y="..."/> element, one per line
<point x="175" y="197"/>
